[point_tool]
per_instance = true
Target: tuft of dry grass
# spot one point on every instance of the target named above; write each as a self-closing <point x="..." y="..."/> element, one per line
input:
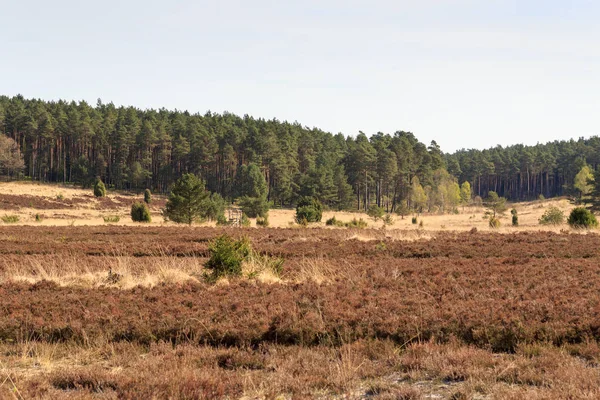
<point x="123" y="272"/>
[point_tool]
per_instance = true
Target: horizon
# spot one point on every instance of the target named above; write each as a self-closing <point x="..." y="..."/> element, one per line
<point x="465" y="74"/>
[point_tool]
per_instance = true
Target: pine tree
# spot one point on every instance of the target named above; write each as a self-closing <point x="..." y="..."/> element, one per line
<point x="188" y="201"/>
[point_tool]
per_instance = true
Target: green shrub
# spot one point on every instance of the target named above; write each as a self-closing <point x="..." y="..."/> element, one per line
<point x="388" y="219"/>
<point x="222" y="220"/>
<point x="356" y="223"/>
<point x="140" y="212"/>
<point x="263" y="221"/>
<point x="414" y="220"/>
<point x="254" y="207"/>
<point x="515" y="220"/>
<point x="147" y="196"/>
<point x="111" y="219"/>
<point x="39" y="218"/>
<point x="541" y="197"/>
<point x="214" y="207"/>
<point x="60" y="197"/>
<point x="552" y="216"/>
<point x="334" y="222"/>
<point x="581" y="217"/>
<point x="10" y="219"/>
<point x="303" y="222"/>
<point x="99" y="188"/>
<point x="402" y="209"/>
<point x="244" y="221"/>
<point x="375" y="212"/>
<point x="309" y="209"/>
<point x="494" y="222"/>
<point x="227" y="256"/>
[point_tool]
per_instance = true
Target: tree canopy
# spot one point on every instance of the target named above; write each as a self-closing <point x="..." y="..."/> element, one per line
<point x="130" y="148"/>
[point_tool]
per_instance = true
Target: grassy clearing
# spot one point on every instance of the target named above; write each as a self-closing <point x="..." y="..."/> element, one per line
<point x="65" y="205"/>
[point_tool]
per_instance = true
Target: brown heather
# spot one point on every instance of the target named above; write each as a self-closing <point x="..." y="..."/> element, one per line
<point x="460" y="315"/>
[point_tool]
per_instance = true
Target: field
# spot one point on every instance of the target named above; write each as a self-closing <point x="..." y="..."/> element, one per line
<point x="59" y="205"/>
<point x="109" y="311"/>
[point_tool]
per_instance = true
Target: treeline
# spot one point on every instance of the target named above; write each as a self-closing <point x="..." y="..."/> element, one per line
<point x="129" y="148"/>
<point x="524" y="172"/>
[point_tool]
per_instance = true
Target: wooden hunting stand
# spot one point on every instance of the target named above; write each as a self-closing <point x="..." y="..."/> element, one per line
<point x="235" y="216"/>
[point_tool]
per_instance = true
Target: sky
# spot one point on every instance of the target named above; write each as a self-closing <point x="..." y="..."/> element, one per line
<point x="465" y="73"/>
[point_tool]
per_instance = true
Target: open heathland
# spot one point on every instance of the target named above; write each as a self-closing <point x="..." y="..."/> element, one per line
<point x="124" y="312"/>
<point x="59" y="205"/>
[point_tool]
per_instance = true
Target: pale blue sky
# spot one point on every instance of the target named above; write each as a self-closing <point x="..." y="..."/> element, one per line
<point x="467" y="73"/>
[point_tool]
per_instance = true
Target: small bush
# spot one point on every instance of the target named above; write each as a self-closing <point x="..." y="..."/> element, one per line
<point x="244" y="221"/>
<point x="494" y="223"/>
<point x="414" y="220"/>
<point x="60" y="197"/>
<point x="303" y="222"/>
<point x="147" y="196"/>
<point x="140" y="212"/>
<point x="356" y="223"/>
<point x="515" y="220"/>
<point x="333" y="222"/>
<point x="541" y="197"/>
<point x="552" y="216"/>
<point x="388" y="219"/>
<point x="263" y="221"/>
<point x="375" y="212"/>
<point x="227" y="256"/>
<point x="309" y="209"/>
<point x="421" y="224"/>
<point x="111" y="219"/>
<point x="99" y="188"/>
<point x="10" y="219"/>
<point x="402" y="209"/>
<point x="222" y="221"/>
<point x="581" y="217"/>
<point x="39" y="218"/>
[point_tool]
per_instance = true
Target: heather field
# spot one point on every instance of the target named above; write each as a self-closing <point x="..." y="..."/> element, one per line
<point x="121" y="312"/>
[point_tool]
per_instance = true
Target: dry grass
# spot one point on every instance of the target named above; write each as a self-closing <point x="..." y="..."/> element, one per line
<point x="126" y="272"/>
<point x="376" y="369"/>
<point x="90" y="211"/>
<point x="123" y="272"/>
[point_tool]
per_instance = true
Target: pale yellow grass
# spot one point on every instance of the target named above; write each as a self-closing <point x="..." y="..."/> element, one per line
<point x="88" y="214"/>
<point x="260" y="268"/>
<point x="126" y="272"/>
<point x="321" y="271"/>
<point x="121" y="272"/>
<point x="468" y="218"/>
<point x="42" y="190"/>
